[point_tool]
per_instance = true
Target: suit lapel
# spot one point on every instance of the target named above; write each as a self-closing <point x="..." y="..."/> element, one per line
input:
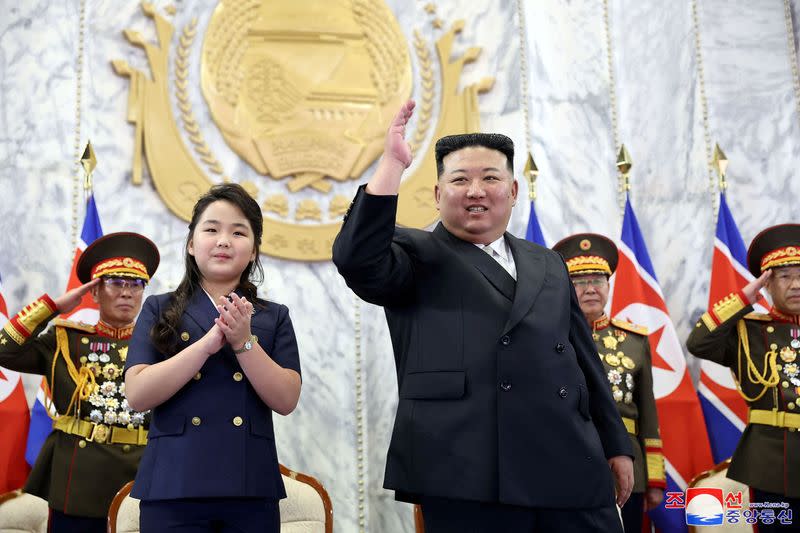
<point x="491" y="270"/>
<point x="201" y="310"/>
<point x="530" y="278"/>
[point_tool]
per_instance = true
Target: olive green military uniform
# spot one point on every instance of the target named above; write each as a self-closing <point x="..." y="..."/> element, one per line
<point x="625" y="352"/>
<point x="762" y="351"/>
<point x="97" y="443"/>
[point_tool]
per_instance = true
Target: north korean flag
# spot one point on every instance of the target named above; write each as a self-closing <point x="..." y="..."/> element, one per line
<point x="724" y="409"/>
<point x="14" y="420"/>
<point x="637" y="297"/>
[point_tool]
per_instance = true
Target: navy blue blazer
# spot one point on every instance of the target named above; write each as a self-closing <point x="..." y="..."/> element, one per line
<point x="214" y="437"/>
<point x="503" y="397"/>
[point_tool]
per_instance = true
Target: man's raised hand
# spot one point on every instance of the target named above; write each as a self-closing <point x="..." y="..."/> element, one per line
<point x="70" y="299"/>
<point x="396" y="148"/>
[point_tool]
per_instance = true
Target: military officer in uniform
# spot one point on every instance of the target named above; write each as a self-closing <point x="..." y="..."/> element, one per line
<point x="762" y="351"/>
<point x="625" y="352"/>
<point x="97" y="440"/>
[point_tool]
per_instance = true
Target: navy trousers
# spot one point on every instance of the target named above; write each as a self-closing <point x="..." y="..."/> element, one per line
<point x="760" y="496"/>
<point x="64" y="523"/>
<point x="633" y="513"/>
<point x="442" y="515"/>
<point x="210" y="515"/>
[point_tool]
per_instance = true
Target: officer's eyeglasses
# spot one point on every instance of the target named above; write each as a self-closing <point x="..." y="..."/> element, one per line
<point x="589" y="282"/>
<point x="117" y="285"/>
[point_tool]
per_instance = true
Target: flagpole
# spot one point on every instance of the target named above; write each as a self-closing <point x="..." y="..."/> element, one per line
<point x="721" y="165"/>
<point x="89" y="163"/>
<point x="624" y="165"/>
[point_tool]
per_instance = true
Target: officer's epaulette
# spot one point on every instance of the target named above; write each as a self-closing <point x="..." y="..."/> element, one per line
<point x="764" y="317"/>
<point x="629" y="326"/>
<point x="69" y="324"/>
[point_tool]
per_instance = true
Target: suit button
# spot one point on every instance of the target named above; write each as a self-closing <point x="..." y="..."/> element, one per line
<point x="237" y="421"/>
<point x="82" y="443"/>
<point x="196" y="421"/>
<point x="237" y="376"/>
<point x="198" y="376"/>
<point x="505" y="385"/>
<point x="126" y="448"/>
<point x="505" y="340"/>
<point x="562" y="392"/>
<point x="560" y="347"/>
<point x="185" y="336"/>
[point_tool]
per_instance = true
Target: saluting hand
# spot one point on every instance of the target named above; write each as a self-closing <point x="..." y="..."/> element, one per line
<point x="70" y="299"/>
<point x="396" y="147"/>
<point x="234" y="319"/>
<point x="752" y="289"/>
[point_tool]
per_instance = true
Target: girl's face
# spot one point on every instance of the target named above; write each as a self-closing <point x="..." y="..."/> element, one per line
<point x="222" y="243"/>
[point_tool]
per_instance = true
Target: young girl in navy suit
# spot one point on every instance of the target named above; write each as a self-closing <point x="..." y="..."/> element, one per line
<point x="213" y="361"/>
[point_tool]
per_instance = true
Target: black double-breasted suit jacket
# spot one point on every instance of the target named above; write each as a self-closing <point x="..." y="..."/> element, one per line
<point x="502" y="394"/>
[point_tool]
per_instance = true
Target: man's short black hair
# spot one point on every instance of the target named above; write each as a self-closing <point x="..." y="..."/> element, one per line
<point x="493" y="141"/>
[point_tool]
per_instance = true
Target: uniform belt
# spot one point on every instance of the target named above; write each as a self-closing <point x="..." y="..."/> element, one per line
<point x="100" y="433"/>
<point x="780" y="419"/>
<point x="630" y="425"/>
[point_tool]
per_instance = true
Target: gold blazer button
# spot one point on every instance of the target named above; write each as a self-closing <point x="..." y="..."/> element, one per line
<point x="196" y="421"/>
<point x="198" y="376"/>
<point x="185" y="336"/>
<point x="237" y="376"/>
<point x="237" y="421"/>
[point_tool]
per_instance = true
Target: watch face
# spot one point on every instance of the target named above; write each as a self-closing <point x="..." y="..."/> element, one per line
<point x="248" y="345"/>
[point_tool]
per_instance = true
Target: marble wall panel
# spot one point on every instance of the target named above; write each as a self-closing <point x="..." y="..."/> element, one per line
<point x="752" y="107"/>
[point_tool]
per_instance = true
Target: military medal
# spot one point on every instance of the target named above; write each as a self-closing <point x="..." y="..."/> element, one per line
<point x="628" y="397"/>
<point x="614" y="377"/>
<point x="628" y="363"/>
<point x="104" y="358"/>
<point x="618" y="395"/>
<point x="610" y="342"/>
<point x="788" y="355"/>
<point x="629" y="381"/>
<point x="795" y="341"/>
<point x="612" y="359"/>
<point x="595" y="336"/>
<point x="93" y="357"/>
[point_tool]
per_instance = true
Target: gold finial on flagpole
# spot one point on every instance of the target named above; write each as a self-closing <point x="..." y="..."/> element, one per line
<point x="88" y="162"/>
<point x="624" y="165"/>
<point x="720" y="162"/>
<point x="531" y="173"/>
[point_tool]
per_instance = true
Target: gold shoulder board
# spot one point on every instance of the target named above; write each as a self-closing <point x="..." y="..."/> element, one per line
<point x="629" y="326"/>
<point x="69" y="324"/>
<point x="758" y="316"/>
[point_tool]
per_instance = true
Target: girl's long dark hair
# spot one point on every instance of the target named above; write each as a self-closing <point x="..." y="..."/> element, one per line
<point x="165" y="332"/>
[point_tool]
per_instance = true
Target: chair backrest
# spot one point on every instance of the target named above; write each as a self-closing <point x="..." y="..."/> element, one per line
<point x="307" y="507"/>
<point x="717" y="477"/>
<point x="123" y="514"/>
<point x="21" y="512"/>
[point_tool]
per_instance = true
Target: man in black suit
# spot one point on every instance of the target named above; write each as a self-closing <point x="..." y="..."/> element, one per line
<point x="505" y="421"/>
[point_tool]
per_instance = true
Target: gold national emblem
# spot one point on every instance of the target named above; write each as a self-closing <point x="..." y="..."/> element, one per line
<point x="585" y="244"/>
<point x="303" y="93"/>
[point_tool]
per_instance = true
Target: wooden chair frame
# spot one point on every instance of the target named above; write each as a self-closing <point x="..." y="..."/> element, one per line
<point x="113" y="510"/>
